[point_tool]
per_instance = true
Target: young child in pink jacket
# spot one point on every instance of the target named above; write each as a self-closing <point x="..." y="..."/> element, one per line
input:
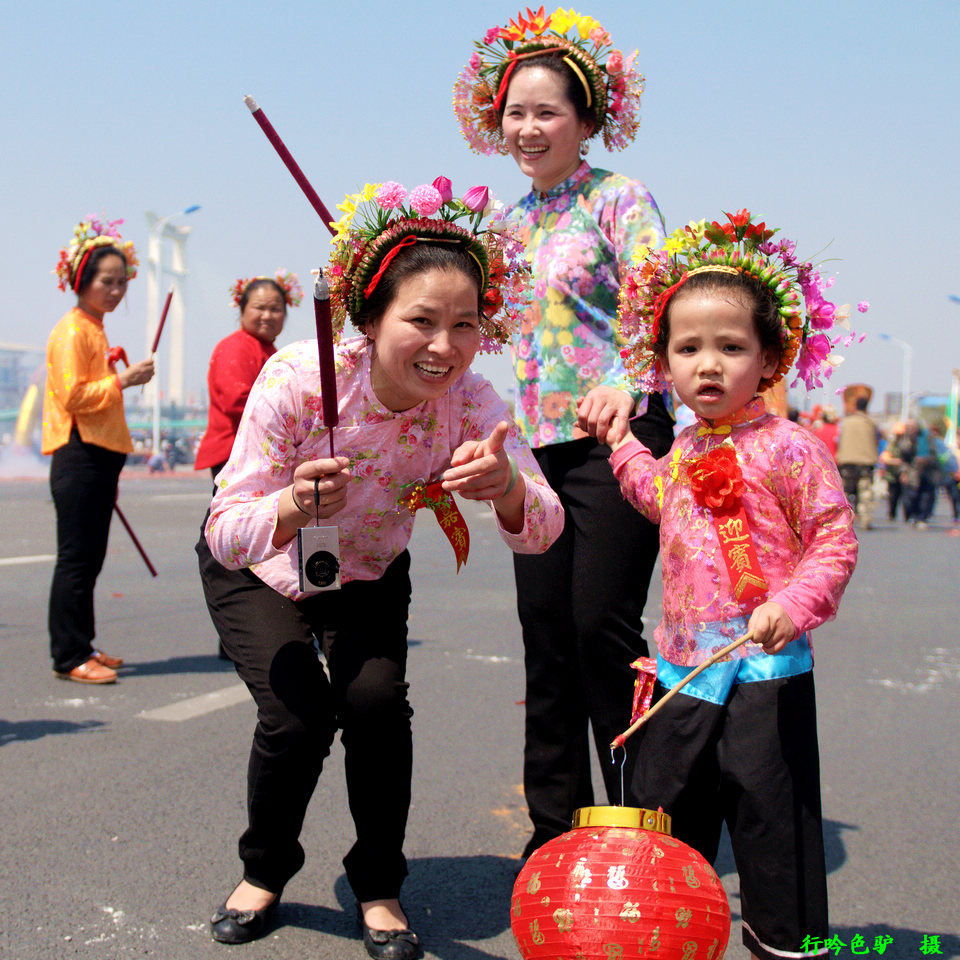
<point x="755" y="535"/>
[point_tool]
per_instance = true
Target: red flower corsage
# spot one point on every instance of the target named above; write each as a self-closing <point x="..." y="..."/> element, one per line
<point x="716" y="480"/>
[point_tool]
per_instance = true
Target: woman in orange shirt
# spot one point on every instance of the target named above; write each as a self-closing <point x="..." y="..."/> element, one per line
<point x="85" y="430"/>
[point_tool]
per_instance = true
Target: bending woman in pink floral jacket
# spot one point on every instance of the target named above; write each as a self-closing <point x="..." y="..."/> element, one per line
<point x="410" y="410"/>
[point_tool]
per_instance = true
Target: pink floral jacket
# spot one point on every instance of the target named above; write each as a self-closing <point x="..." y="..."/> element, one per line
<point x="282" y="426"/>
<point x="801" y="523"/>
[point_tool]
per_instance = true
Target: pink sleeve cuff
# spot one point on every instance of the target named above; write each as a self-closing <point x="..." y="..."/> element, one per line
<point x="626" y="452"/>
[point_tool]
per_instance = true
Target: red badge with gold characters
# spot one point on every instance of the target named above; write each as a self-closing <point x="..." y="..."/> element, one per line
<point x="717" y="483"/>
<point x="435" y="498"/>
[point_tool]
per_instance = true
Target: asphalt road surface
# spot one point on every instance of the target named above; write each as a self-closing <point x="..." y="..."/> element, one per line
<point x="120" y="806"/>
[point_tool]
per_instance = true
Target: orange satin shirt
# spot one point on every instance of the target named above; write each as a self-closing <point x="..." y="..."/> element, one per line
<point x="82" y="387"/>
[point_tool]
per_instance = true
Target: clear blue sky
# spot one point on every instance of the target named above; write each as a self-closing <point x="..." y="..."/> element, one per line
<point x="835" y="121"/>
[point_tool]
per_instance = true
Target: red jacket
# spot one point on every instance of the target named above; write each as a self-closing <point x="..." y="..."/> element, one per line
<point x="234" y="364"/>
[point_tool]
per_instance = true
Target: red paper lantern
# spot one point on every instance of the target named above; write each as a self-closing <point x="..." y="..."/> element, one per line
<point x="619" y="887"/>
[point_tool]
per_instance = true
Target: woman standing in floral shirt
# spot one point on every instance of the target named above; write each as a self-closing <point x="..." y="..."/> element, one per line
<point x="539" y="89"/>
<point x="413" y="425"/>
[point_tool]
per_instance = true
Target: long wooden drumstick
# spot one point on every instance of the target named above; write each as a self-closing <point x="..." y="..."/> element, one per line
<point x="267" y="127"/>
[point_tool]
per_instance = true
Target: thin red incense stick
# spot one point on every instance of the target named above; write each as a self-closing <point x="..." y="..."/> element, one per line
<point x="133" y="537"/>
<point x="163" y="320"/>
<point x="328" y="373"/>
<point x="291" y="164"/>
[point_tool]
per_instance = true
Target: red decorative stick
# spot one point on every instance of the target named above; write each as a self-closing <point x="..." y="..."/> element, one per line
<point x="328" y="373"/>
<point x="133" y="537"/>
<point x="163" y="320"/>
<point x="291" y="164"/>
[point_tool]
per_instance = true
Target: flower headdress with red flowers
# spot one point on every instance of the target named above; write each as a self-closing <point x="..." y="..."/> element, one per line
<point x="285" y="279"/>
<point x="611" y="81"/>
<point x="89" y="234"/>
<point x="384" y="218"/>
<point x="808" y="319"/>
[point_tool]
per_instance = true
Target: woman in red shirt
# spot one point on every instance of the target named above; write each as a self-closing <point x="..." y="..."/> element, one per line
<point x="234" y="365"/>
<point x="236" y="360"/>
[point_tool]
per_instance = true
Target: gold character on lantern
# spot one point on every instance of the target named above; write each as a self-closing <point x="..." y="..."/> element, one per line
<point x="713" y="947"/>
<point x="689" y="950"/>
<point x="563" y="919"/>
<point x="690" y="876"/>
<point x="631" y="912"/>
<point x="655" y="939"/>
<point x="536" y="934"/>
<point x="582" y="874"/>
<point x="516" y="906"/>
<point x="613" y="951"/>
<point x="617" y="877"/>
<point x="533" y="884"/>
<point x="683" y="916"/>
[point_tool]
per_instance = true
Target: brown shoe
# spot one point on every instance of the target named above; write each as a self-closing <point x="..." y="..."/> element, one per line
<point x="89" y="672"/>
<point x="105" y="660"/>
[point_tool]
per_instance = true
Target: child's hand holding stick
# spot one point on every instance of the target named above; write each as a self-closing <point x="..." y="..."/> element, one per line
<point x="716" y="658"/>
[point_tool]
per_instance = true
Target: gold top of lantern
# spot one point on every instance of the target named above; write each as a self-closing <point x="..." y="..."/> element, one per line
<point x="635" y="818"/>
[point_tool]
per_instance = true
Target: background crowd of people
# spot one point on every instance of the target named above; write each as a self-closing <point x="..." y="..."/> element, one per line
<point x="907" y="463"/>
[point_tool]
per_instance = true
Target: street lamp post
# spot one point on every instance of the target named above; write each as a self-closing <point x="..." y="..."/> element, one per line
<point x="158" y="228"/>
<point x="905" y="379"/>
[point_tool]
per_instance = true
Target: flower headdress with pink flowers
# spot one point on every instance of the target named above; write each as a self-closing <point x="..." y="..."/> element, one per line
<point x="808" y="319"/>
<point x="382" y="219"/>
<point x="611" y="81"/>
<point x="89" y="234"/>
<point x="285" y="279"/>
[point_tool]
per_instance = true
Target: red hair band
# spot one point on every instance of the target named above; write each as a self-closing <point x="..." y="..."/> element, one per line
<point x="407" y="241"/>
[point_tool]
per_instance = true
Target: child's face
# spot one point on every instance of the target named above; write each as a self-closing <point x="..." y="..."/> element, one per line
<point x="714" y="359"/>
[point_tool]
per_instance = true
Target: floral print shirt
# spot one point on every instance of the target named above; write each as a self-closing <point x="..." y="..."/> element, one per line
<point x="799" y="518"/>
<point x="282" y="426"/>
<point x="580" y="237"/>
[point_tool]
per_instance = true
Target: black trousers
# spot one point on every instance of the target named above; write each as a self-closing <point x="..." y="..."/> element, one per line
<point x="580" y="607"/>
<point x="754" y="763"/>
<point x="273" y="642"/>
<point x="83" y="483"/>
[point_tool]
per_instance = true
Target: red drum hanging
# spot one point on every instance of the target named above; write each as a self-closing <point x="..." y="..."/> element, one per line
<point x="619" y="887"/>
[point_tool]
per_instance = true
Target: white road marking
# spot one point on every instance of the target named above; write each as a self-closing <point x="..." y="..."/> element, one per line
<point x="36" y="558"/>
<point x="942" y="666"/>
<point x="198" y="706"/>
<point x="489" y="658"/>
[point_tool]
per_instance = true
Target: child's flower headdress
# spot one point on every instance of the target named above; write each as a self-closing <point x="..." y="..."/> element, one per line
<point x="383" y="218"/>
<point x="807" y="318"/>
<point x="611" y="81"/>
<point x="287" y="280"/>
<point x="87" y="236"/>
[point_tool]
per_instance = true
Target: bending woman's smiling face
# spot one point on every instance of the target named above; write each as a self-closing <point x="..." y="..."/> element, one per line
<point x="426" y="338"/>
<point x="541" y="127"/>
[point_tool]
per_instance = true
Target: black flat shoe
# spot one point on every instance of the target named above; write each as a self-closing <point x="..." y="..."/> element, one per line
<point x="240" y="926"/>
<point x="388" y="944"/>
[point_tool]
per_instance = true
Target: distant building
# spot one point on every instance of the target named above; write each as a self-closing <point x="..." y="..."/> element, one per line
<point x="20" y="365"/>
